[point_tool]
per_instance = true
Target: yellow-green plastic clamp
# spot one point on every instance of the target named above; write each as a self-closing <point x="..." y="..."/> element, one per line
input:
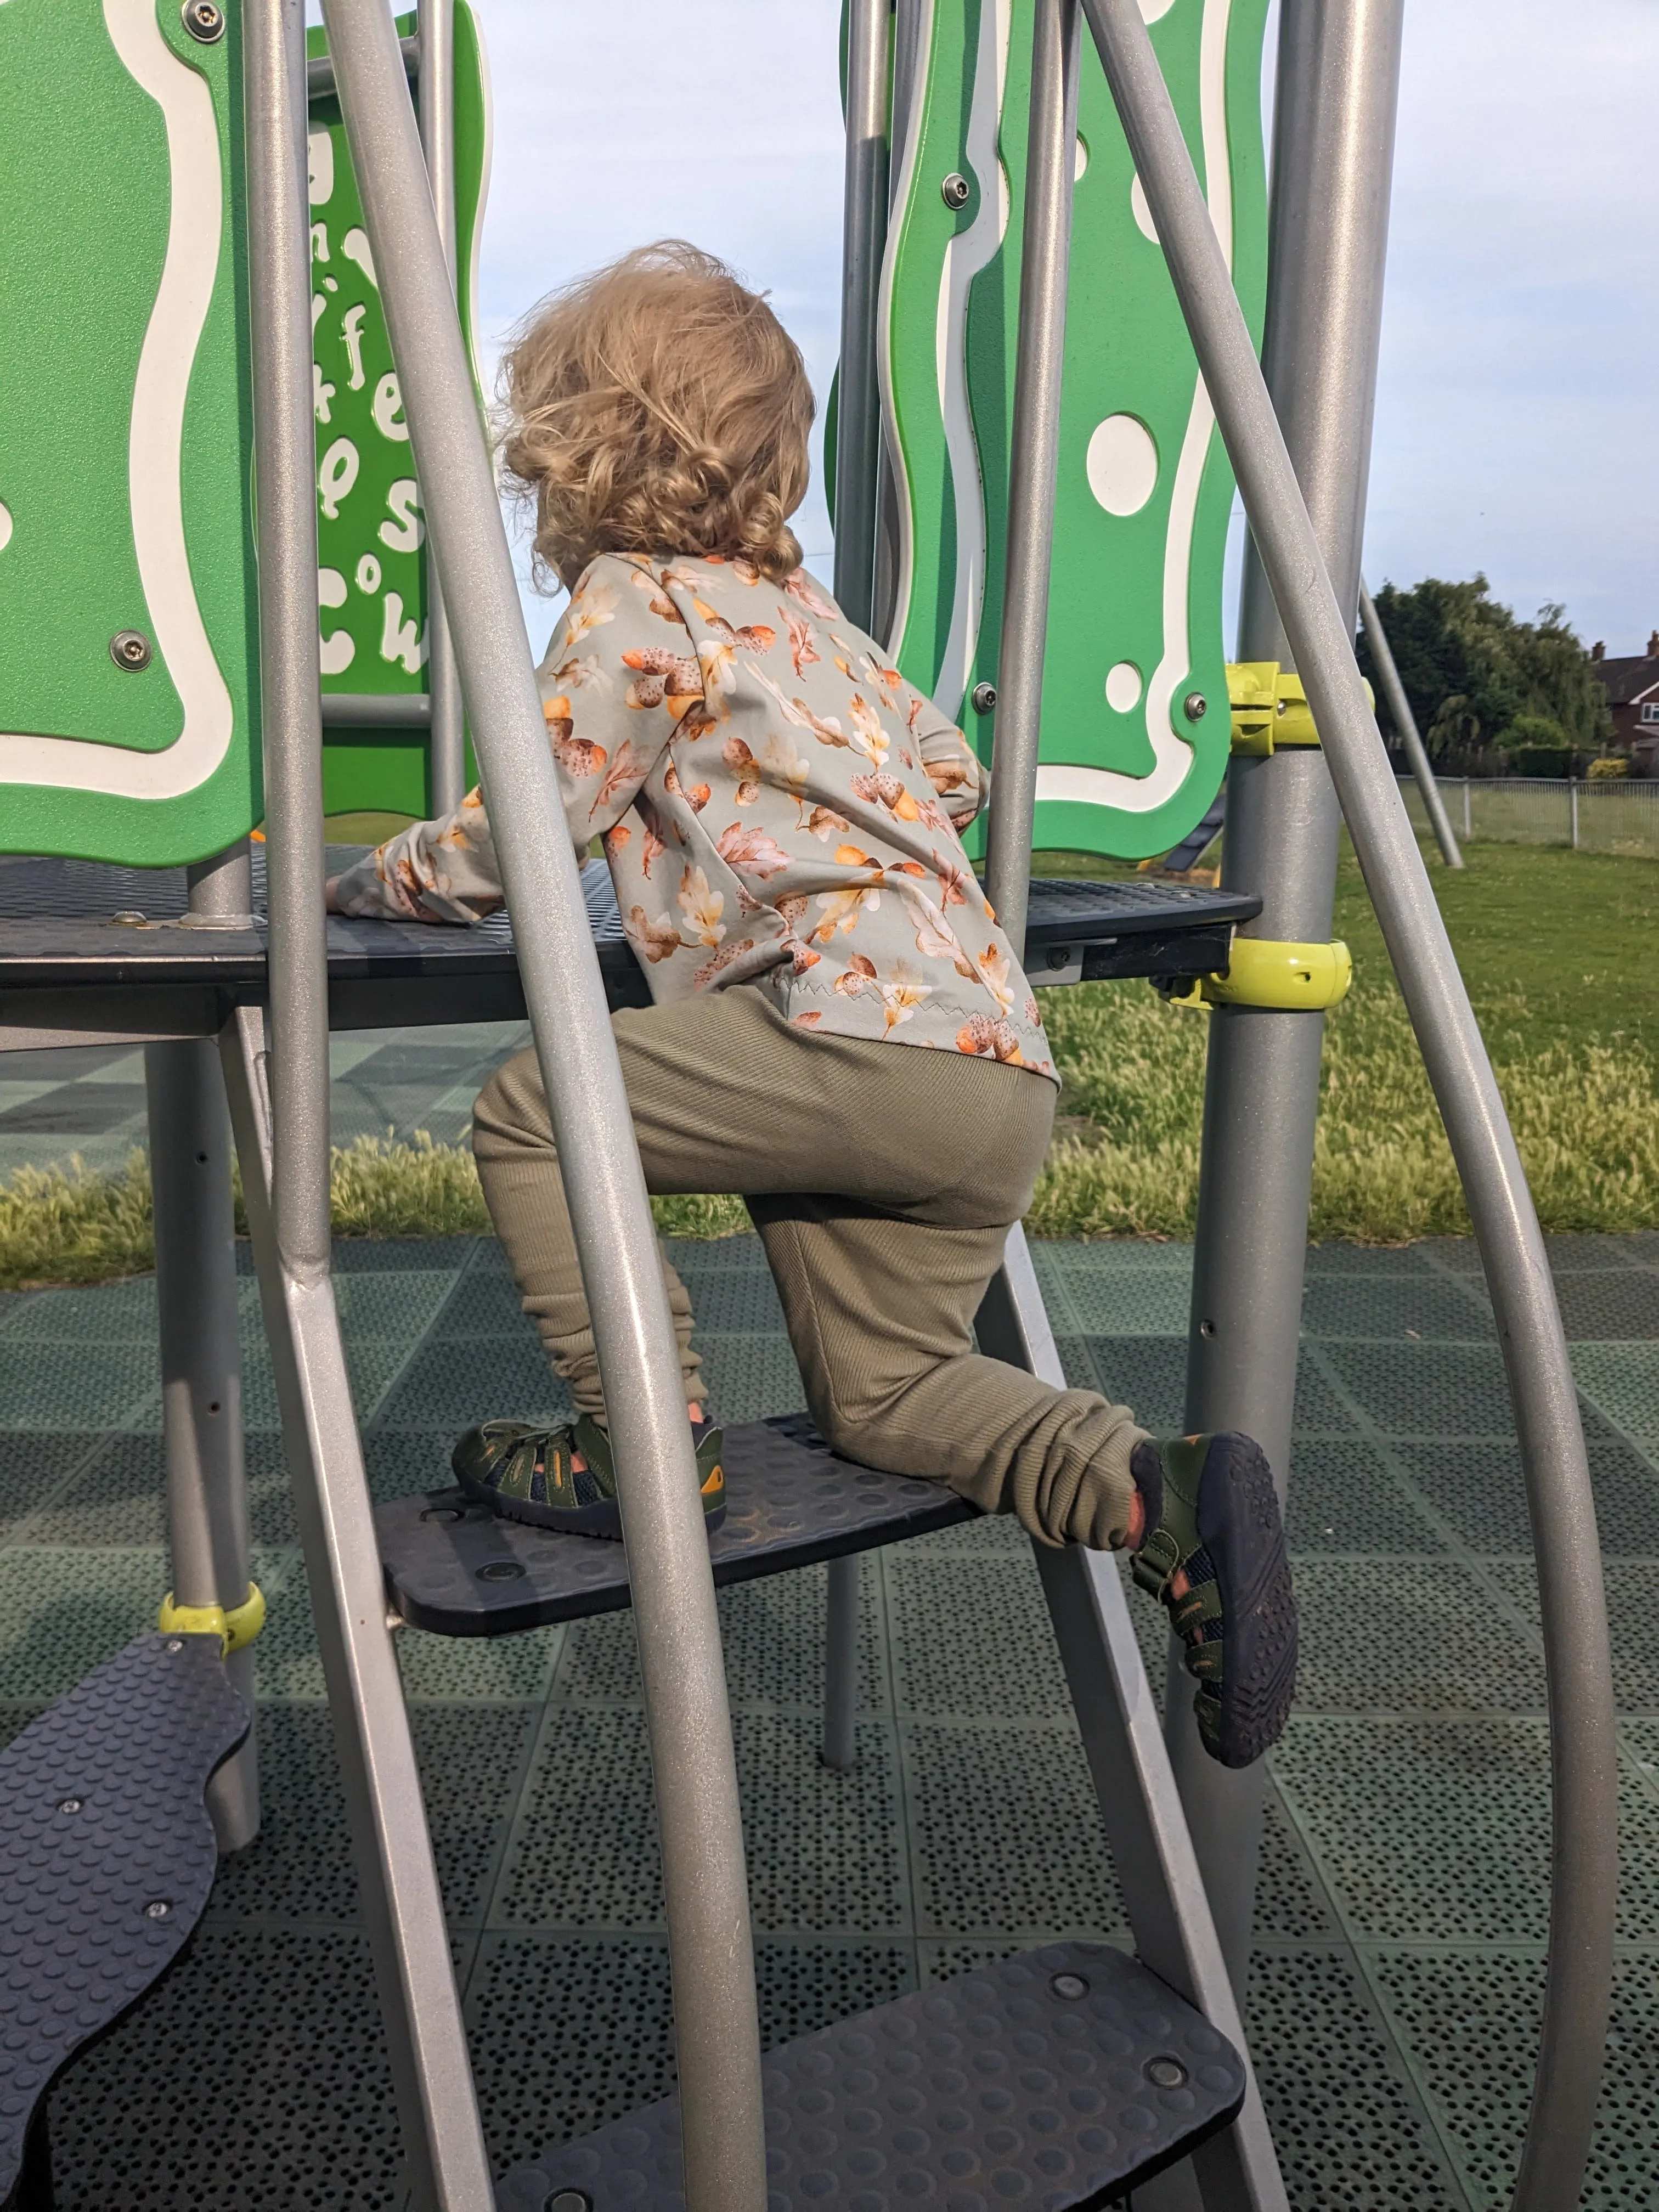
<point x="1270" y="708"/>
<point x="1262" y="971"/>
<point x="235" y="1625"/>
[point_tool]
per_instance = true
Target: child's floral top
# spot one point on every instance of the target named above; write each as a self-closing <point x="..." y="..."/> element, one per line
<point x="778" y="807"/>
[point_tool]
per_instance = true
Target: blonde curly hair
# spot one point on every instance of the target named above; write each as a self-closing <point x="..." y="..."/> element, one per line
<point x="658" y="406"/>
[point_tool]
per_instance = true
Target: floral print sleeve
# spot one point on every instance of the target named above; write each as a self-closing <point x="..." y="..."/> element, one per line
<point x="778" y="806"/>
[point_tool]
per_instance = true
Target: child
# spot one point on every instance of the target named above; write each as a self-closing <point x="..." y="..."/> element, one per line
<point x="839" y="1031"/>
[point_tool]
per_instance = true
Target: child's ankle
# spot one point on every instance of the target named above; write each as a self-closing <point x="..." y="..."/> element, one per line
<point x="1147" y="1507"/>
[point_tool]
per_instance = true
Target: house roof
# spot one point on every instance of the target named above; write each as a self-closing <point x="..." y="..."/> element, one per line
<point x="1628" y="680"/>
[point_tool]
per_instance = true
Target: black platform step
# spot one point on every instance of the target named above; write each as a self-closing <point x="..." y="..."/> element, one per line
<point x="1059" y="2080"/>
<point x="106" y="1858"/>
<point x="459" y="1570"/>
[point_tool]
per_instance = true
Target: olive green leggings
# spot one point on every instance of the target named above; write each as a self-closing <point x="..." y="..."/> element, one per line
<point x="882" y="1179"/>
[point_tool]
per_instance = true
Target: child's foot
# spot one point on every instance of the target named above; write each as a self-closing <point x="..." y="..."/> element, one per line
<point x="1214" y="1554"/>
<point x="566" y="1478"/>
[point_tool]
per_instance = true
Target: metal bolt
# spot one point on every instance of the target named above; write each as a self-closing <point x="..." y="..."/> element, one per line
<point x="131" y="650"/>
<point x="158" y="1908"/>
<point x="173" y="1643"/>
<point x="129" y="918"/>
<point x="1069" y="1986"/>
<point x="568" y="2200"/>
<point x="500" y="1570"/>
<point x="955" y="192"/>
<point x="68" y="1804"/>
<point x="982" y="698"/>
<point x="1194" y="706"/>
<point x="1165" y="2073"/>
<point x="204" y="20"/>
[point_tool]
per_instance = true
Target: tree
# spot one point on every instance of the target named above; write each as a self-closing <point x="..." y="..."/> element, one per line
<point x="1470" y="671"/>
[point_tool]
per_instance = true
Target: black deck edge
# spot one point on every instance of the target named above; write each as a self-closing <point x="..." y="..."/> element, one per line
<point x="107" y="1860"/>
<point x="454" y="1568"/>
<point x="1036" y="2081"/>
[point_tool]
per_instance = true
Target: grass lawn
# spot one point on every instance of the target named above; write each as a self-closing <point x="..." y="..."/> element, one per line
<point x="1561" y="953"/>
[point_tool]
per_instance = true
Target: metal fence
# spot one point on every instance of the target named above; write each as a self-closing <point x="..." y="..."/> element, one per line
<point x="1592" y="818"/>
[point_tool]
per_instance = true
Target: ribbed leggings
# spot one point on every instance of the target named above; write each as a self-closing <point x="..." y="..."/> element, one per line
<point x="882" y="1179"/>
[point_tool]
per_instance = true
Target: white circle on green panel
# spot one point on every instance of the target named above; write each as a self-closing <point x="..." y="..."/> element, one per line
<point x="1121" y="463"/>
<point x="1142" y="212"/>
<point x="1080" y="158"/>
<point x="1123" y="687"/>
<point x="5" y="526"/>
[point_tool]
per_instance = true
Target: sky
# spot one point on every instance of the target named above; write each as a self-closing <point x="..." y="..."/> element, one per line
<point x="1516" y="431"/>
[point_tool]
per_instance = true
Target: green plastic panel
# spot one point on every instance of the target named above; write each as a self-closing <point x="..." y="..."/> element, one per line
<point x="371" y="533"/>
<point x="126" y="437"/>
<point x="1145" y="490"/>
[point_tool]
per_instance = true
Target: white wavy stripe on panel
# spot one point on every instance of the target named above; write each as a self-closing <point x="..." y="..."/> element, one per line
<point x="484" y="198"/>
<point x="904" y="581"/>
<point x="967" y="253"/>
<point x="154" y="452"/>
<point x="1172" y="753"/>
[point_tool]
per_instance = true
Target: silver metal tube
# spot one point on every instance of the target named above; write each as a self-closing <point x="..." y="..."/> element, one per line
<point x="320" y="74"/>
<point x="841" y="1664"/>
<point x="436" y="91"/>
<point x="1469" y="823"/>
<point x="1399" y="712"/>
<point x="687" y="1717"/>
<point x="376" y="710"/>
<point x="1045" y="258"/>
<point x="1583" y="1749"/>
<point x="279" y="1104"/>
<point x="1337" y="83"/>
<point x="864" y="235"/>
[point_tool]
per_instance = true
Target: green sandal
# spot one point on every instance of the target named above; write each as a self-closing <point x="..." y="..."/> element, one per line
<point x="529" y="1473"/>
<point x="1211" y="1511"/>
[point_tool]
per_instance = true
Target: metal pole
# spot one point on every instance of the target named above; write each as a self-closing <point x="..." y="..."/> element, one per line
<point x="1399" y="710"/>
<point x="435" y="89"/>
<point x="1572" y="805"/>
<point x="190" y="1156"/>
<point x="1337" y="71"/>
<point x="1045" y="258"/>
<point x="279" y="1104"/>
<point x="841" y="1665"/>
<point x="1572" y="1601"/>
<point x="687" y="1717"/>
<point x="1469" y="818"/>
<point x="864" y="235"/>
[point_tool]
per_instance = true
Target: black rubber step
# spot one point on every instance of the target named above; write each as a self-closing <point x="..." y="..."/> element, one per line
<point x="106" y="1858"/>
<point x="459" y="1570"/>
<point x="1058" y="2079"/>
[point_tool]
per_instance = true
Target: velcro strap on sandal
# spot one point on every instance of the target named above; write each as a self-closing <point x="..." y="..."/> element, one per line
<point x="1155" y="1562"/>
<point x="1203" y="1661"/>
<point x="1190" y="1613"/>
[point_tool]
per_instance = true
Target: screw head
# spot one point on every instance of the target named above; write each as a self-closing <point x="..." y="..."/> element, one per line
<point x="68" y="1804"/>
<point x="204" y="20"/>
<point x="1166" y="2073"/>
<point x="955" y="190"/>
<point x="500" y="1570"/>
<point x="444" y="1514"/>
<point x="568" y="2200"/>
<point x="173" y="1643"/>
<point x="982" y="698"/>
<point x="1194" y="706"/>
<point x="1069" y="1986"/>
<point x="158" y="1908"/>
<point x="131" y="650"/>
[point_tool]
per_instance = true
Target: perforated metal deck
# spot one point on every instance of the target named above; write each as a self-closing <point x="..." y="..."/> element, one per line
<point x="457" y="1569"/>
<point x="107" y="1859"/>
<point x="1058" y="2078"/>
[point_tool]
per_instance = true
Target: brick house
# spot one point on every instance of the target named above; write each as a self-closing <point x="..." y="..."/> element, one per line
<point x="1633" y="688"/>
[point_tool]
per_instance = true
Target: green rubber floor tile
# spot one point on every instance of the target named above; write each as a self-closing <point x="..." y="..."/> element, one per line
<point x="477" y="1669"/>
<point x="1480" y="1489"/>
<point x="1633" y="1589"/>
<point x="1289" y="1905"/>
<point x="1426" y="1389"/>
<point x="1350" y="2133"/>
<point x="751" y="1378"/>
<point x="382" y="1255"/>
<point x="693" y="1257"/>
<point x="483" y="1302"/>
<point x="34" y="1467"/>
<point x="453" y="1385"/>
<point x="1609" y="1305"/>
<point x="1344" y="1498"/>
<point x="103" y="1313"/>
<point x="567" y="2034"/>
<point x="997" y="1535"/>
<point x="824" y="1850"/>
<point x="736" y="1301"/>
<point x="1400" y="1636"/>
<point x="254" y="2075"/>
<point x="300" y="1867"/>
<point x="1391" y="1309"/>
<point x="1148" y="1374"/>
<point x="1006" y="1835"/>
<point x="402" y="1304"/>
<point x="1471" y="2025"/>
<point x="405" y="1462"/>
<point x="1387" y="1260"/>
<point x="58" y="1386"/>
<point x="972" y="1640"/>
<point x="772" y="1633"/>
<point x="1577" y="1255"/>
<point x="64" y="1611"/>
<point x="118" y="1497"/>
<point x="1622" y="1381"/>
<point x="1113" y="1289"/>
<point x="1439" y="1831"/>
<point x="15" y="1718"/>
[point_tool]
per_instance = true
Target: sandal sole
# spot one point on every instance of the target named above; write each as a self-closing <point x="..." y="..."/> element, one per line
<point x="603" y="1519"/>
<point x="1239" y="1525"/>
